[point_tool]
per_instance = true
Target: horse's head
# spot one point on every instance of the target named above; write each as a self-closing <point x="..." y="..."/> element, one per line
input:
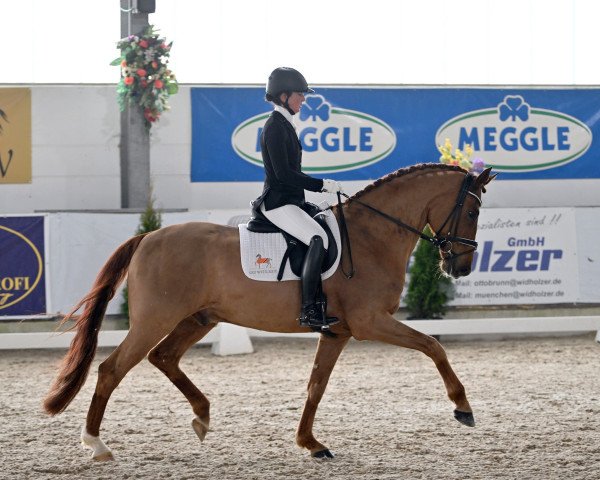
<point x="455" y="225"/>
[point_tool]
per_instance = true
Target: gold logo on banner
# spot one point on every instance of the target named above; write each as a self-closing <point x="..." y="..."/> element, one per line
<point x="19" y="286"/>
<point x="15" y="135"/>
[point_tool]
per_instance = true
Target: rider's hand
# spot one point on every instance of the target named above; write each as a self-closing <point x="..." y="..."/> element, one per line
<point x="331" y="186"/>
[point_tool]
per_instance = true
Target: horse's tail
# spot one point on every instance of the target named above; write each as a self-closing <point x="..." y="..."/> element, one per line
<point x="76" y="363"/>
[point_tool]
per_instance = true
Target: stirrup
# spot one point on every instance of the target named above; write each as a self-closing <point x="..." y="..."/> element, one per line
<point x="324" y="327"/>
<point x="313" y="316"/>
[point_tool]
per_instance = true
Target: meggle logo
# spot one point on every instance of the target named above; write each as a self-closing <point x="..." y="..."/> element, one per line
<point x="333" y="139"/>
<point x="514" y="137"/>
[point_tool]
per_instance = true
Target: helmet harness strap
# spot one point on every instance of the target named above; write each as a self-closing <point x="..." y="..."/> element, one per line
<point x="286" y="105"/>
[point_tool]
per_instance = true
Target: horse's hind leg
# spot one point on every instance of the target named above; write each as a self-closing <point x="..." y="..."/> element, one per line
<point x="166" y="355"/>
<point x="127" y="355"/>
<point x="386" y="328"/>
<point x="328" y="351"/>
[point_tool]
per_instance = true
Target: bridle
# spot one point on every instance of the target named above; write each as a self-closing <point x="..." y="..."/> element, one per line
<point x="443" y="242"/>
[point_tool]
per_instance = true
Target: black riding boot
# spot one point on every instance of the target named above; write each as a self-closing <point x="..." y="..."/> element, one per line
<point x="314" y="310"/>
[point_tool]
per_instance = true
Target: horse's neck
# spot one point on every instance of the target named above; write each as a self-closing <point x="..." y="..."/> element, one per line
<point x="407" y="198"/>
<point x="401" y="198"/>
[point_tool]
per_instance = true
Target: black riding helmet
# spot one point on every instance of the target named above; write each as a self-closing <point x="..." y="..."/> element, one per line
<point x="285" y="80"/>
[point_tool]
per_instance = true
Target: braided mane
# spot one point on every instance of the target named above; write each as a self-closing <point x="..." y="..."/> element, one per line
<point x="406" y="171"/>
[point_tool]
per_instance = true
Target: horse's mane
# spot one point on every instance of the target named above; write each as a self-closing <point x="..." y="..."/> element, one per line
<point x="406" y="171"/>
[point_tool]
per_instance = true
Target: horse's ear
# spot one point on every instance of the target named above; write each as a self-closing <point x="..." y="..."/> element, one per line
<point x="484" y="178"/>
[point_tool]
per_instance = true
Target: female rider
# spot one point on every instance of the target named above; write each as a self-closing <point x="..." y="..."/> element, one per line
<point x="283" y="193"/>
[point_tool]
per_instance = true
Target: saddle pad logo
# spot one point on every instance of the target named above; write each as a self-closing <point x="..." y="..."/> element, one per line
<point x="333" y="139"/>
<point x="517" y="137"/>
<point x="263" y="265"/>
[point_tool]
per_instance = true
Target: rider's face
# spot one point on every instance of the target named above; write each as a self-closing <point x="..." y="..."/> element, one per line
<point x="295" y="101"/>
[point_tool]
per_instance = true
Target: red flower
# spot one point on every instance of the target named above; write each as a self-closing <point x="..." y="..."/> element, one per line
<point x="124" y="63"/>
<point x="150" y="116"/>
<point x="143" y="44"/>
<point x="158" y="84"/>
<point x="128" y="80"/>
<point x="141" y="72"/>
<point x="154" y="64"/>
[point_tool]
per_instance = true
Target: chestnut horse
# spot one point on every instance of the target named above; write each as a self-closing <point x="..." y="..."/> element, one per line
<point x="185" y="279"/>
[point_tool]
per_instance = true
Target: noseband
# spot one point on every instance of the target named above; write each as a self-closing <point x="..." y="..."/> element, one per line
<point x="443" y="242"/>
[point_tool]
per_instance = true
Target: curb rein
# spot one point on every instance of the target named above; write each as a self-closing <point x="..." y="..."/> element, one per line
<point x="443" y="242"/>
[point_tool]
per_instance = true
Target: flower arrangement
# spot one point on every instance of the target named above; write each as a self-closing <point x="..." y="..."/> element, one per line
<point x="145" y="78"/>
<point x="460" y="158"/>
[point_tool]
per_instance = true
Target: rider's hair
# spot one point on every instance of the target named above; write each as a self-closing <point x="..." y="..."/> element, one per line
<point x="276" y="100"/>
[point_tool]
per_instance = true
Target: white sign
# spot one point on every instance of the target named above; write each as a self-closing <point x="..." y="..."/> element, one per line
<point x="333" y="139"/>
<point x="516" y="137"/>
<point x="525" y="256"/>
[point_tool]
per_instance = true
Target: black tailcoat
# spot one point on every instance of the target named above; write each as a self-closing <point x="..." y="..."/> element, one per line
<point x="282" y="156"/>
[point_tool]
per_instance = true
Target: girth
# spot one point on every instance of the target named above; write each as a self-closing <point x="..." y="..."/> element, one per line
<point x="296" y="250"/>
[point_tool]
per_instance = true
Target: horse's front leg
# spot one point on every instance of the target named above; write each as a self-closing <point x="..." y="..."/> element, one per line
<point x="385" y="328"/>
<point x="328" y="351"/>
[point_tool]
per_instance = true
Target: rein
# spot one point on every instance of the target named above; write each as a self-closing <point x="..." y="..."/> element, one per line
<point x="443" y="242"/>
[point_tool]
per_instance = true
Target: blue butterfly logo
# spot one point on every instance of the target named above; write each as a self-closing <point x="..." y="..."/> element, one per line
<point x="513" y="108"/>
<point x="315" y="107"/>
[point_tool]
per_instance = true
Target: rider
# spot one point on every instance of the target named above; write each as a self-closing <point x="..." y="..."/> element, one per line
<point x="283" y="194"/>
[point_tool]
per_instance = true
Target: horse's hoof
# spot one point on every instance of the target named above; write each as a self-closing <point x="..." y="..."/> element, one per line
<point x="466" y="418"/>
<point x="323" y="454"/>
<point x="100" y="452"/>
<point x="104" y="457"/>
<point x="200" y="427"/>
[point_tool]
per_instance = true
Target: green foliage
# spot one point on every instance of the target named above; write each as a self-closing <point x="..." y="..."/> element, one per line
<point x="429" y="289"/>
<point x="150" y="220"/>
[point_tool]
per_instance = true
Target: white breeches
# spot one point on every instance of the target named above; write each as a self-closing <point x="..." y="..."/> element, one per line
<point x="295" y="221"/>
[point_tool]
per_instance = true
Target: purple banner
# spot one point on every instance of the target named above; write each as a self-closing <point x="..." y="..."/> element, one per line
<point x="22" y="266"/>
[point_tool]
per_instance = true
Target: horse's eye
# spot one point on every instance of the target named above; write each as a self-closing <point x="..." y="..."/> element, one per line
<point x="473" y="214"/>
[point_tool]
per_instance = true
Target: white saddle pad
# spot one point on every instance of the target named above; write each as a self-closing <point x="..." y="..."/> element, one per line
<point x="261" y="253"/>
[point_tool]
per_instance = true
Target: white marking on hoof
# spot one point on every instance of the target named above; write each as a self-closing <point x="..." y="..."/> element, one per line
<point x="200" y="427"/>
<point x="100" y="452"/>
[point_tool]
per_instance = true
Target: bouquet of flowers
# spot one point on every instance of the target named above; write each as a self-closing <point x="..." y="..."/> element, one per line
<point x="145" y="78"/>
<point x="460" y="158"/>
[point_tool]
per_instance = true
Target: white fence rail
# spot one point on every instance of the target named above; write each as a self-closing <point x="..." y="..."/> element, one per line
<point x="229" y="339"/>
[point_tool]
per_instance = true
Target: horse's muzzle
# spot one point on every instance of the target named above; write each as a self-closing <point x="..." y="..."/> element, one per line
<point x="455" y="271"/>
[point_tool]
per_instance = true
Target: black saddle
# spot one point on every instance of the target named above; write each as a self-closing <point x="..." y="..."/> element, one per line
<point x="296" y="250"/>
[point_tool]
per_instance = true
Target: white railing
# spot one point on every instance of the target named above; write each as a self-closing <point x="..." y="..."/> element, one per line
<point x="229" y="339"/>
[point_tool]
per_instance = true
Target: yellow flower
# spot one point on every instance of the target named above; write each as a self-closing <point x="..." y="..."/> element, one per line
<point x="466" y="164"/>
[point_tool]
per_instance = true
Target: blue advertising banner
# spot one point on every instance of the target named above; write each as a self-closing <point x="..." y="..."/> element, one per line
<point x="22" y="266"/>
<point x="365" y="133"/>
